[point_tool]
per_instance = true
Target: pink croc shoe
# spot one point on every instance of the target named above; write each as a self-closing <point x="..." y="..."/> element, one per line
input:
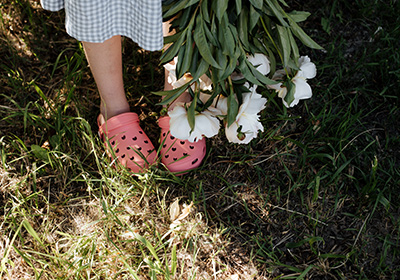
<point x="179" y="155"/>
<point x="127" y="141"/>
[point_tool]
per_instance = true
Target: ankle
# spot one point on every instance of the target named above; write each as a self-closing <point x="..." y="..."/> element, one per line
<point x="108" y="112"/>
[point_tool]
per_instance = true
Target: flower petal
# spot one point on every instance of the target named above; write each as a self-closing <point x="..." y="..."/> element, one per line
<point x="205" y="83"/>
<point x="231" y="133"/>
<point x="308" y="69"/>
<point x="179" y="124"/>
<point x="183" y="80"/>
<point x="205" y="125"/>
<point x="261" y="61"/>
<point x="303" y="89"/>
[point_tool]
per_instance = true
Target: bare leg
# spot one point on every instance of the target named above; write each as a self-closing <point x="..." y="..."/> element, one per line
<point x="105" y="61"/>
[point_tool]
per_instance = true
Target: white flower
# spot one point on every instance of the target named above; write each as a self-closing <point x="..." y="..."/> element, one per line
<point x="183" y="80"/>
<point x="303" y="89"/>
<point x="204" y="81"/>
<point x="219" y="106"/>
<point x="171" y="68"/>
<point x="261" y="62"/>
<point x="247" y="123"/>
<point x="205" y="124"/>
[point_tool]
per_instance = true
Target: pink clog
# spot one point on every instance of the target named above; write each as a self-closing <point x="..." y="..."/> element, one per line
<point x="127" y="142"/>
<point x="179" y="155"/>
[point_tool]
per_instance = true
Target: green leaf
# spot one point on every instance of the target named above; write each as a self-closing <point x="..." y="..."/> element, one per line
<point x="223" y="61"/>
<point x="202" y="69"/>
<point x="174" y="260"/>
<point x="291" y="89"/>
<point x="226" y="38"/>
<point x="263" y="79"/>
<point x="243" y="28"/>
<point x="244" y="69"/>
<point x="187" y="59"/>
<point x="171" y="95"/>
<point x="254" y="18"/>
<point x="238" y="6"/>
<point x="204" y="10"/>
<point x="185" y="17"/>
<point x="299" y="16"/>
<point x="233" y="108"/>
<point x="169" y="54"/>
<point x="31" y="231"/>
<point x="176" y="8"/>
<point x="258" y="4"/>
<point x="172" y="38"/>
<point x="147" y="244"/>
<point x="181" y="58"/>
<point x="232" y="63"/>
<point x="192" y="112"/>
<point x="191" y="2"/>
<point x="304" y="38"/>
<point x="284" y="3"/>
<point x="40" y="153"/>
<point x="202" y="44"/>
<point x="219" y="7"/>
<point x="211" y="36"/>
<point x="277" y="11"/>
<point x="293" y="46"/>
<point x="285" y="43"/>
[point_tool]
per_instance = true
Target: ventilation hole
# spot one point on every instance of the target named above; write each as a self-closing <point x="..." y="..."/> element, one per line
<point x="145" y="141"/>
<point x="132" y="158"/>
<point x="134" y="138"/>
<point x="140" y="148"/>
<point x="166" y="156"/>
<point x="128" y="148"/>
<point x="113" y="143"/>
<point x="183" y="142"/>
<point x="123" y="156"/>
<point x="123" y="137"/>
<point x="185" y="154"/>
<point x="117" y="151"/>
<point x="165" y="145"/>
<point x="172" y="137"/>
<point x="174" y="149"/>
<point x="163" y="134"/>
<point x="140" y="132"/>
<point x="175" y="158"/>
<point x="191" y="147"/>
<point x="149" y="151"/>
<point x="196" y="160"/>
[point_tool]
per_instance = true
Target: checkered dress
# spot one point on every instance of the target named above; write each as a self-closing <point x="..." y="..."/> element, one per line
<point x="98" y="20"/>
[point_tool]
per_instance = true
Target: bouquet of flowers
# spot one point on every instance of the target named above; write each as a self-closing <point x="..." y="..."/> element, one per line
<point x="226" y="50"/>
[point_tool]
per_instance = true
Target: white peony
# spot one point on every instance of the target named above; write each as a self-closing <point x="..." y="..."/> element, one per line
<point x="247" y="119"/>
<point x="261" y="62"/>
<point x="204" y="81"/>
<point x="303" y="89"/>
<point x="206" y="124"/>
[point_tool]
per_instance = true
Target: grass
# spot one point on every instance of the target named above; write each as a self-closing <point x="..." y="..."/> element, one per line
<point x="314" y="197"/>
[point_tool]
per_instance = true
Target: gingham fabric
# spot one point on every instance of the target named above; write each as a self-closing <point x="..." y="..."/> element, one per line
<point x="98" y="20"/>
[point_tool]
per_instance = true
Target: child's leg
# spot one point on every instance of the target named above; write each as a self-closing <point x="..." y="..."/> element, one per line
<point x="105" y="61"/>
<point x="119" y="129"/>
